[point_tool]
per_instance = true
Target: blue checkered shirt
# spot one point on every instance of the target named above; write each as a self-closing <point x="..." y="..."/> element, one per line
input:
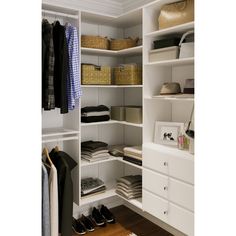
<point x="73" y="80"/>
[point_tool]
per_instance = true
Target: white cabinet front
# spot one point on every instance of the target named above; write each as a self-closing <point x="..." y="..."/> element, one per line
<point x="181" y="219"/>
<point x="179" y="167"/>
<point x="154" y="205"/>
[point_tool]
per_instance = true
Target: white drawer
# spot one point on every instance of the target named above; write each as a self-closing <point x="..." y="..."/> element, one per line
<point x="154" y="205"/>
<point x="155" y="160"/>
<point x="169" y="188"/>
<point x="181" y="219"/>
<point x="164" y="160"/>
<point x="155" y="183"/>
<point x="181" y="193"/>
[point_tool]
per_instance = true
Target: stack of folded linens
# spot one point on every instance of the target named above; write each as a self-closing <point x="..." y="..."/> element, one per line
<point x="133" y="154"/>
<point x="92" y="186"/>
<point x="95" y="114"/>
<point x="130" y="186"/>
<point x="94" y="151"/>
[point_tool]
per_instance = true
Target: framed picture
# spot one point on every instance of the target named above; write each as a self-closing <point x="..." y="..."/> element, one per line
<point x="167" y="132"/>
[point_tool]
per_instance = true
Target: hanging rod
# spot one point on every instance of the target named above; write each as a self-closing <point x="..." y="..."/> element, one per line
<point x="60" y="14"/>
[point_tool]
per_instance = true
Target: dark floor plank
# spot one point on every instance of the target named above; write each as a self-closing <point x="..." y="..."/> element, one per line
<point x="129" y="221"/>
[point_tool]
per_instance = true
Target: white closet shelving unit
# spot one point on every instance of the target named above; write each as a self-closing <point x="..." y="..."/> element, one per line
<point x="58" y="129"/>
<point x="112" y="132"/>
<point x="168" y="173"/>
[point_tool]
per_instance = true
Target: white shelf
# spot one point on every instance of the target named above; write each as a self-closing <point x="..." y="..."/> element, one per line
<point x="99" y="123"/>
<point x="58" y="131"/>
<point x="60" y="139"/>
<point x="170" y="150"/>
<point x="87" y="163"/>
<point x="130" y="124"/>
<point x="100" y="196"/>
<point x="172" y="30"/>
<point x="182" y="61"/>
<point x="110" y="193"/>
<point x="111" y="86"/>
<point x="111" y="122"/>
<point x="136" y="202"/>
<point x="172" y="98"/>
<point x="103" y="52"/>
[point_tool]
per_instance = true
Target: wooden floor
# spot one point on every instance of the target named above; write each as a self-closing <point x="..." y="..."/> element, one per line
<point x="127" y="222"/>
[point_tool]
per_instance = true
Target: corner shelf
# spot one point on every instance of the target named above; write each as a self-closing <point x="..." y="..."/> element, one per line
<point x="111" y="86"/>
<point x="107" y="194"/>
<point x="111" y="122"/>
<point x="100" y="196"/>
<point x="87" y="163"/>
<point x="181" y="61"/>
<point x="172" y="30"/>
<point x="171" y="98"/>
<point x="103" y="52"/>
<point x="111" y="158"/>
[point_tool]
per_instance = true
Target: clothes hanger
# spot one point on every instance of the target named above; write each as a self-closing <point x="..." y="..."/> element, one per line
<point x="57" y="149"/>
<point x="45" y="152"/>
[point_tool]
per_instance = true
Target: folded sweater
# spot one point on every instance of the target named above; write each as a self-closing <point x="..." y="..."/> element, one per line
<point x="95" y="119"/>
<point x="94" y="108"/>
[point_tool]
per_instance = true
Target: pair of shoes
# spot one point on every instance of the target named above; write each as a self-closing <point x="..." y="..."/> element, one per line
<point x="87" y="223"/>
<point x="107" y="214"/>
<point x="82" y="225"/>
<point x="103" y="216"/>
<point x="78" y="227"/>
<point x="97" y="217"/>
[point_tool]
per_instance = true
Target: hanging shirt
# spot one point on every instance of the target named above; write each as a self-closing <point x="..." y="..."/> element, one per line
<point x="46" y="231"/>
<point x="53" y="189"/>
<point x="48" y="97"/>
<point x="73" y="81"/>
<point x="60" y="67"/>
<point x="64" y="164"/>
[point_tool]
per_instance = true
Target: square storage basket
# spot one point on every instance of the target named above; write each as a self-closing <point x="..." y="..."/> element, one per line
<point x="118" y="113"/>
<point x="92" y="74"/>
<point x="168" y="53"/>
<point x="89" y="41"/>
<point x="133" y="114"/>
<point x="128" y="74"/>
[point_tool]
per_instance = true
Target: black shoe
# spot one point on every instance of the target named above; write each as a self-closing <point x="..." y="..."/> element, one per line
<point x="87" y="223"/>
<point x="78" y="227"/>
<point x="97" y="217"/>
<point x="107" y="214"/>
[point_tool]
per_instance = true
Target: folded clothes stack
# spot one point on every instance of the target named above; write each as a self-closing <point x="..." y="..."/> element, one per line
<point x="129" y="186"/>
<point x="94" y="151"/>
<point x="95" y="114"/>
<point x="92" y="186"/>
<point x="133" y="154"/>
<point x="117" y="150"/>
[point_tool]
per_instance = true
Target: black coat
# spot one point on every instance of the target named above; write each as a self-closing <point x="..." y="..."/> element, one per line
<point x="64" y="164"/>
<point x="60" y="67"/>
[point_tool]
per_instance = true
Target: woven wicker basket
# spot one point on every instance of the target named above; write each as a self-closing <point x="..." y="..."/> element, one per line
<point x="99" y="42"/>
<point x="118" y="44"/>
<point x="92" y="74"/>
<point x="128" y="74"/>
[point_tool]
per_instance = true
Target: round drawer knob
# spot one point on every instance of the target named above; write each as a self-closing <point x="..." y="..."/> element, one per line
<point x="165" y="188"/>
<point x="165" y="163"/>
<point x="165" y="212"/>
